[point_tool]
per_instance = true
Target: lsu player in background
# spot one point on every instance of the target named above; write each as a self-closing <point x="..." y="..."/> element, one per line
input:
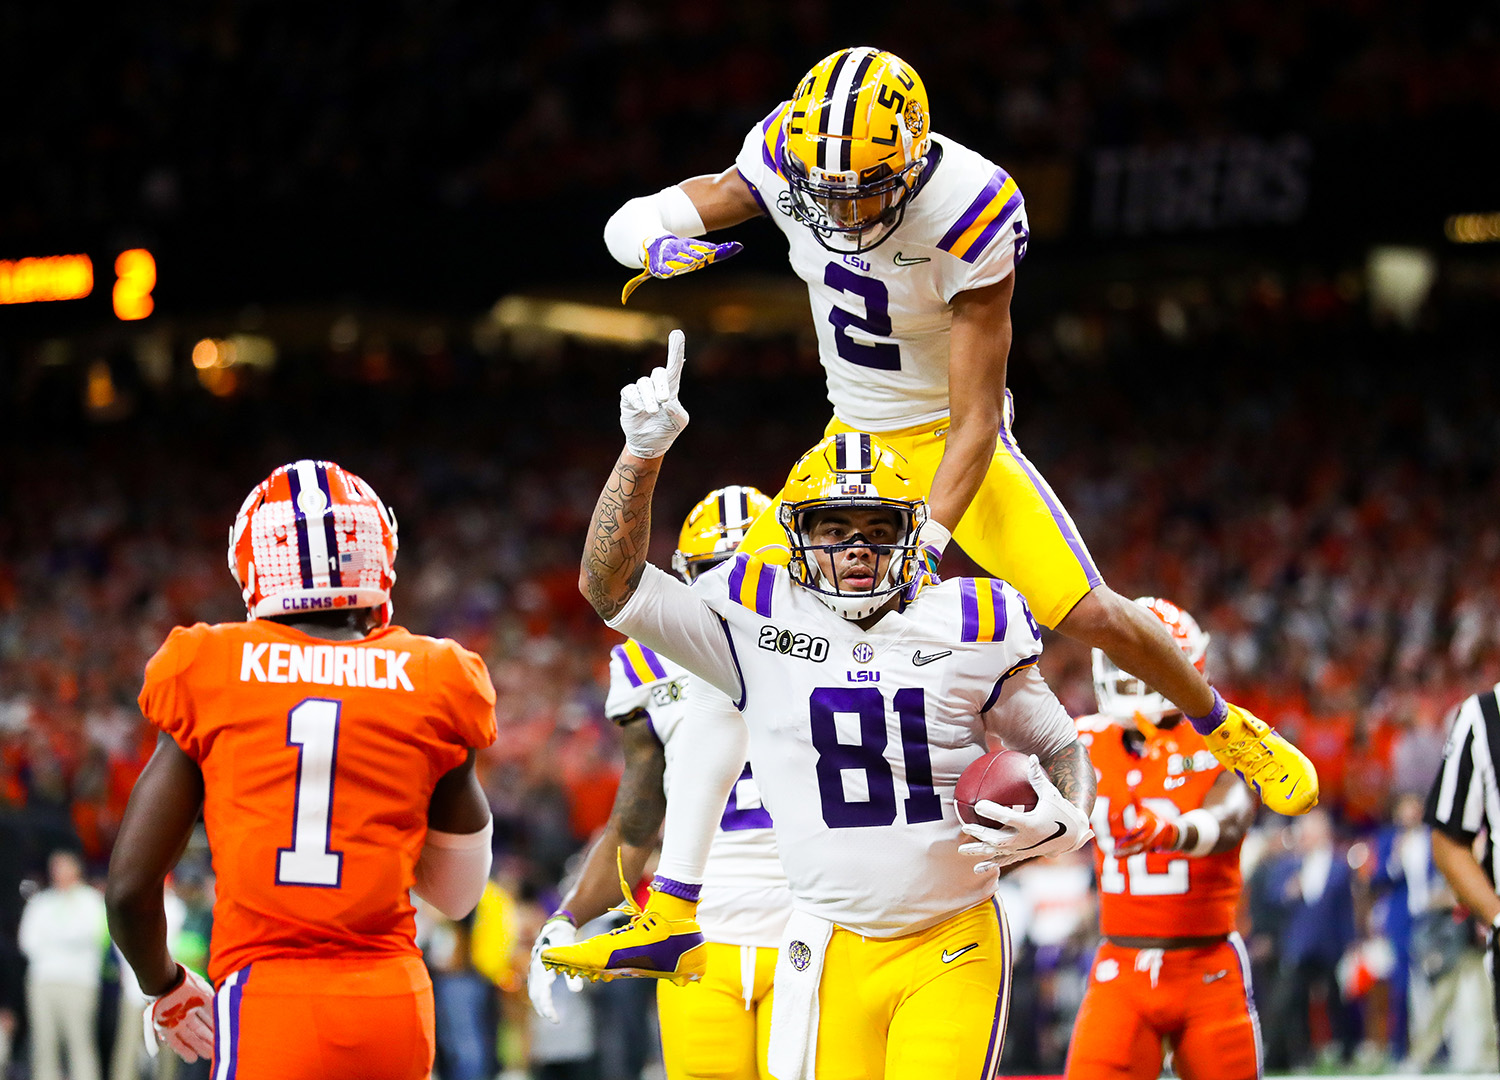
<point x="1168" y="823"/>
<point x="332" y="755"/>
<point x="863" y="699"/>
<point x="717" y="1027"/>
<point x="908" y="243"/>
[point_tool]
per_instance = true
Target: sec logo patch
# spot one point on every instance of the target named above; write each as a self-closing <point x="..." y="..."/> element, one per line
<point x="864" y="652"/>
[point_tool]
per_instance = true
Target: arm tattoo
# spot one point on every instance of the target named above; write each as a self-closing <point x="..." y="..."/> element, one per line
<point x="1073" y="773"/>
<point x="619" y="536"/>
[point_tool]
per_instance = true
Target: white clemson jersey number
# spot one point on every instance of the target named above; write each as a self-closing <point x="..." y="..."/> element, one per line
<point x="1137" y="878"/>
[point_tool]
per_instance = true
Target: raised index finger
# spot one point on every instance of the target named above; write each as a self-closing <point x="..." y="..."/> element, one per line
<point x="676" y="356"/>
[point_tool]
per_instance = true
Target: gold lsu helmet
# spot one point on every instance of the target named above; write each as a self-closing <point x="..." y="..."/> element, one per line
<point x="857" y="136"/>
<point x="714" y="528"/>
<point x="853" y="470"/>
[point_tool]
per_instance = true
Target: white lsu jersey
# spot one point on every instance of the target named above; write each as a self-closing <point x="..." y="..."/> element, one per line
<point x="745" y="899"/>
<point x="883" y="316"/>
<point x="857" y="737"/>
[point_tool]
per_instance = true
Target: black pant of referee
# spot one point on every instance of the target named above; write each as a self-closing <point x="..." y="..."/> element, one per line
<point x="1463" y="803"/>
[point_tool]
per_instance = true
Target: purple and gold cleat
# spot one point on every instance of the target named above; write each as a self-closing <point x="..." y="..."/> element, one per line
<point x="661" y="941"/>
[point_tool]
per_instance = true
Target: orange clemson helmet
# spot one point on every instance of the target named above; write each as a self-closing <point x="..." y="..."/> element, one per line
<point x="313" y="537"/>
<point x="1120" y="694"/>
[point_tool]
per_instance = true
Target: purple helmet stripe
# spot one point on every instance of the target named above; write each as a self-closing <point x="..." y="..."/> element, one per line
<point x="987" y="234"/>
<point x="847" y="144"/>
<point x="976" y="208"/>
<point x="970" y="604"/>
<point x="827" y="107"/>
<point x="304" y="554"/>
<point x="618" y="652"/>
<point x="840" y="455"/>
<point x="866" y="452"/>
<point x="330" y="533"/>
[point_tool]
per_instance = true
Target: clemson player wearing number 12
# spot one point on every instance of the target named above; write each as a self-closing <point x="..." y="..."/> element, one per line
<point x="332" y="754"/>
<point x="1168" y="823"/>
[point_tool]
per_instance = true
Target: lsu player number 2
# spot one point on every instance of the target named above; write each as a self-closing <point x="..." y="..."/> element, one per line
<point x="876" y="321"/>
<point x="313" y="727"/>
<point x="868" y="756"/>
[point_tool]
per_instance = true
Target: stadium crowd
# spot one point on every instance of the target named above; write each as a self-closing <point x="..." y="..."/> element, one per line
<point x="244" y="112"/>
<point x="1239" y="450"/>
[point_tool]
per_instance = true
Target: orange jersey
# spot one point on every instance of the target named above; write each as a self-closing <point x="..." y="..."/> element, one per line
<point x="319" y="759"/>
<point x="1156" y="894"/>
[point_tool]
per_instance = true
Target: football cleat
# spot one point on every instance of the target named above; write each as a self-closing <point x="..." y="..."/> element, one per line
<point x="661" y="941"/>
<point x="1275" y="769"/>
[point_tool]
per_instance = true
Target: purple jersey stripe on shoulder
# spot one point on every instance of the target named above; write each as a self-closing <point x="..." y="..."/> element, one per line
<point x="1002" y="613"/>
<point x="987" y="234"/>
<point x="618" y="652"/>
<point x="653" y="662"/>
<point x="976" y="208"/>
<point x="737" y="576"/>
<point x="1019" y="665"/>
<point x="970" y="604"/>
<point x="765" y="582"/>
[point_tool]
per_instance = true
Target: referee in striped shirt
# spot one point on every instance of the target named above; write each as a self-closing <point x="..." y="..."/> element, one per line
<point x="1465" y="801"/>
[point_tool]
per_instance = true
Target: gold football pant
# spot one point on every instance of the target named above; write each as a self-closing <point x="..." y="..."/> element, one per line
<point x="716" y="1028"/>
<point x="931" y="1004"/>
<point x="1016" y="528"/>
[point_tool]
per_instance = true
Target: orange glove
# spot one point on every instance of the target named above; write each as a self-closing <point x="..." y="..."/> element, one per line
<point x="1152" y="832"/>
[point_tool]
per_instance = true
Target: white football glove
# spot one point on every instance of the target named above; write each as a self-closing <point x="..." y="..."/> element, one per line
<point x="558" y="930"/>
<point x="650" y="414"/>
<point x="182" y="1018"/>
<point x="1053" y="827"/>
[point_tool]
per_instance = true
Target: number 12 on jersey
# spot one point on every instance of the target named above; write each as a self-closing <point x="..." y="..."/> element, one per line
<point x="1138" y="879"/>
<point x="313" y="727"/>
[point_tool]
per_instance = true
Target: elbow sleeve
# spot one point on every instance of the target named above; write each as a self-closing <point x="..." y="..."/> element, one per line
<point x="642" y="220"/>
<point x="453" y="869"/>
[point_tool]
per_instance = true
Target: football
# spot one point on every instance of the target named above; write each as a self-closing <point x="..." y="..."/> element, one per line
<point x="999" y="776"/>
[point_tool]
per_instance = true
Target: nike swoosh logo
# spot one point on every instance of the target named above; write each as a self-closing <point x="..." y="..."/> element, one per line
<point x="1061" y="828"/>
<point x="949" y="957"/>
<point x="919" y="660"/>
<point x="902" y="260"/>
<point x="1214" y="977"/>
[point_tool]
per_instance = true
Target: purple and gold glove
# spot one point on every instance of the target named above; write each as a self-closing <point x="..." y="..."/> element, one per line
<point x="668" y="256"/>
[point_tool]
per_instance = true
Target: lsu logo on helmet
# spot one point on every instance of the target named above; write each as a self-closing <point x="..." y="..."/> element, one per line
<point x="1121" y="695"/>
<point x="714" y="528"/>
<point x="852" y="470"/>
<point x="857" y="135"/>
<point x="313" y="537"/>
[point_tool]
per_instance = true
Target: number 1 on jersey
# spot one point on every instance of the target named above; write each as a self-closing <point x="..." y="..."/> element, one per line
<point x="313" y="727"/>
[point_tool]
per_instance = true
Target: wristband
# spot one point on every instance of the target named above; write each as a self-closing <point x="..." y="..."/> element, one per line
<point x="1207" y="828"/>
<point x="562" y="913"/>
<point x="670" y="212"/>
<point x="933" y="539"/>
<point x="1215" y="716"/>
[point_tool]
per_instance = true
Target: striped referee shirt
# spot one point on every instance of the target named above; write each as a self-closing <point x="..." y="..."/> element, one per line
<point x="1465" y="798"/>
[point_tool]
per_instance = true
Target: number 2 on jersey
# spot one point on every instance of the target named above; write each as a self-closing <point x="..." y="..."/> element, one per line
<point x="876" y="321"/>
<point x="313" y="727"/>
